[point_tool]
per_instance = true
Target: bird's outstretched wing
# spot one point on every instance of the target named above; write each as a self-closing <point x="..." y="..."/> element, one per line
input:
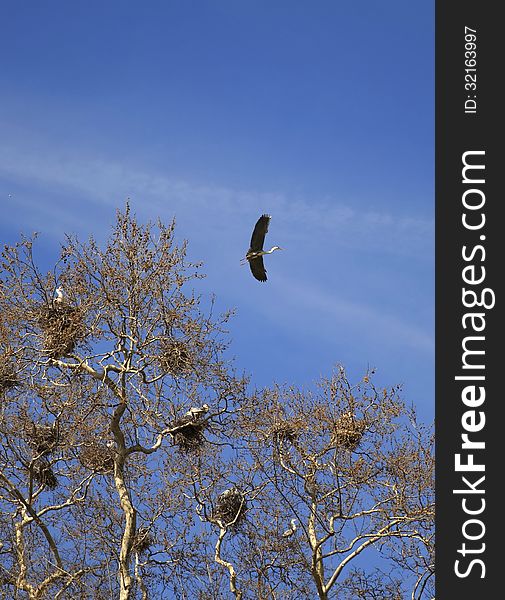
<point x="258" y="268"/>
<point x="260" y="230"/>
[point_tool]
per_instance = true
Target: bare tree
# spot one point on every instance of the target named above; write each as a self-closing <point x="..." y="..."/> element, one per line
<point x="341" y="472"/>
<point x="134" y="463"/>
<point x="98" y="439"/>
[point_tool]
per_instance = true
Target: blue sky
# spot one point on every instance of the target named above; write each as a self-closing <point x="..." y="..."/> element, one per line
<point x="319" y="113"/>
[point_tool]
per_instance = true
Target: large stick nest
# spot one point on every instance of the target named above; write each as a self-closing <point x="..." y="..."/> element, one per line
<point x="175" y="358"/>
<point x="62" y="327"/>
<point x="189" y="433"/>
<point x="230" y="508"/>
<point x="347" y="432"/>
<point x="142" y="541"/>
<point x="6" y="577"/>
<point x="43" y="473"/>
<point x="42" y="438"/>
<point x="8" y="373"/>
<point x="97" y="458"/>
<point x="287" y="429"/>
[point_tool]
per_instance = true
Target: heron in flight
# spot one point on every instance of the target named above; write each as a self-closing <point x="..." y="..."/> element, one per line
<point x="255" y="253"/>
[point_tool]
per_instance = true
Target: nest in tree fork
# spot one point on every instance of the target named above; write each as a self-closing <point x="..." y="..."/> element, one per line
<point x="42" y="438"/>
<point x="6" y="577"/>
<point x="188" y="433"/>
<point x="287" y="430"/>
<point x="43" y="473"/>
<point x="8" y="374"/>
<point x="62" y="327"/>
<point x="347" y="432"/>
<point x="97" y="458"/>
<point x="142" y="541"/>
<point x="230" y="508"/>
<point x="175" y="358"/>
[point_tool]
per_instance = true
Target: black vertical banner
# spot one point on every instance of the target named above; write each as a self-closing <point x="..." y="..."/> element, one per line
<point x="470" y="357"/>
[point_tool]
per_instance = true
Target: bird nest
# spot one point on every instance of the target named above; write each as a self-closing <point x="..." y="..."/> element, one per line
<point x="287" y="430"/>
<point x="6" y="577"/>
<point x="230" y="508"/>
<point x="142" y="541"/>
<point x="62" y="327"/>
<point x="44" y="475"/>
<point x="8" y="374"/>
<point x="347" y="432"/>
<point x="42" y="438"/>
<point x="97" y="458"/>
<point x="188" y="434"/>
<point x="175" y="358"/>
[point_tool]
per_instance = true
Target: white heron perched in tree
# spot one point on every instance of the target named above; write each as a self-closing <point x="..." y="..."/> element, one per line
<point x="290" y="530"/>
<point x="255" y="253"/>
<point x="59" y="295"/>
<point x="194" y="412"/>
<point x="227" y="493"/>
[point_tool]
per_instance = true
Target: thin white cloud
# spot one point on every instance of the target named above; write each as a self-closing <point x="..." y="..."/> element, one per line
<point x="327" y="315"/>
<point x="106" y="183"/>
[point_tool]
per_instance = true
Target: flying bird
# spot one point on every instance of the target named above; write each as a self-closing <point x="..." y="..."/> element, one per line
<point x="255" y="253"/>
<point x="290" y="530"/>
<point x="59" y="295"/>
<point x="194" y="412"/>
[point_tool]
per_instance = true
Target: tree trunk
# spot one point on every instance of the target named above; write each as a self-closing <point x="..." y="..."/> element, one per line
<point x="125" y="576"/>
<point x="317" y="558"/>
